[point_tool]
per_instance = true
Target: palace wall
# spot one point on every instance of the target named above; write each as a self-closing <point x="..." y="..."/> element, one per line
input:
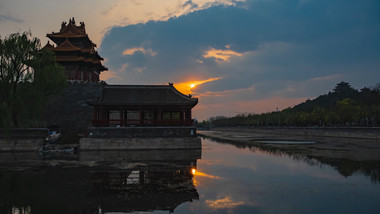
<point x="70" y="112"/>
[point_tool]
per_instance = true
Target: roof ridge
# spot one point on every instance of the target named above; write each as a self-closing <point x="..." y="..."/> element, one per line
<point x="67" y="44"/>
<point x="137" y="86"/>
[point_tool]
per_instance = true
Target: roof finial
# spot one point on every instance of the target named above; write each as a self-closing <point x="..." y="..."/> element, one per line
<point x="170" y="83"/>
<point x="73" y="21"/>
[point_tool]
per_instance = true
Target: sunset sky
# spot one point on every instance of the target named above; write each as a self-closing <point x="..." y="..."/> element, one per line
<point x="236" y="56"/>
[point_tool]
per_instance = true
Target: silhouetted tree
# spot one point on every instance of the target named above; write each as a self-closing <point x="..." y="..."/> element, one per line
<point x="344" y="106"/>
<point x="27" y="74"/>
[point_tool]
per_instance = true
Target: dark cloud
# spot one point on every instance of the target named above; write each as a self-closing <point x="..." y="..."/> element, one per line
<point x="283" y="43"/>
<point x="4" y="18"/>
<point x="190" y="4"/>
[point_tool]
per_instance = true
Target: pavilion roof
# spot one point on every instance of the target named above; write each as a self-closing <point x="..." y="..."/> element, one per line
<point x="67" y="46"/>
<point x="70" y="30"/>
<point x="143" y="95"/>
<point x="67" y="52"/>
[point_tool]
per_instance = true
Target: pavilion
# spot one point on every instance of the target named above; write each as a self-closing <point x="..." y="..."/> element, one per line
<point x="142" y="105"/>
<point x="76" y="52"/>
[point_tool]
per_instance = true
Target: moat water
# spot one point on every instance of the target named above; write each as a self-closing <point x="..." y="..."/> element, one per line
<point x="220" y="178"/>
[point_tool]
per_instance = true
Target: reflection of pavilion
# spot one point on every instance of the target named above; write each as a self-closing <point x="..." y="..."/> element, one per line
<point x="118" y="181"/>
<point x="153" y="180"/>
<point x="140" y="190"/>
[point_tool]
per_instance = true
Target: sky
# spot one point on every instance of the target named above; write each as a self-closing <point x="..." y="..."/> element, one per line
<point x="236" y="56"/>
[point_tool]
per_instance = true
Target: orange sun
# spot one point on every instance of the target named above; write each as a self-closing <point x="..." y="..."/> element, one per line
<point x="192" y="85"/>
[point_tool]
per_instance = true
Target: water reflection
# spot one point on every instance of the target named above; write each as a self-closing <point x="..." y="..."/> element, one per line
<point x="227" y="179"/>
<point x="98" y="182"/>
<point x="345" y="165"/>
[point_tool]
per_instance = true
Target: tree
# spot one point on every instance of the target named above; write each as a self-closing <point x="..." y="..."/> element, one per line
<point x="344" y="90"/>
<point x="27" y="74"/>
<point x="16" y="53"/>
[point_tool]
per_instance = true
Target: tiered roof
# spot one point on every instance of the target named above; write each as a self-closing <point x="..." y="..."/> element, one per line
<point x="71" y="30"/>
<point x="74" y="45"/>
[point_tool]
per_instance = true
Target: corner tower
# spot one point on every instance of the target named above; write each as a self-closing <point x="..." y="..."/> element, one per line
<point x="76" y="52"/>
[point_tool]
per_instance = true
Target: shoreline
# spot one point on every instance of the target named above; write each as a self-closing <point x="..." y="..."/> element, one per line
<point x="293" y="132"/>
<point x="326" y="147"/>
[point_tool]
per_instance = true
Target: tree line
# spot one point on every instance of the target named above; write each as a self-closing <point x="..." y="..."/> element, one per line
<point x="28" y="75"/>
<point x="344" y="106"/>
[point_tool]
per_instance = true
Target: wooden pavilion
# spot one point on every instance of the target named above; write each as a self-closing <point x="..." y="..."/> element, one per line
<point x="76" y="52"/>
<point x="142" y="105"/>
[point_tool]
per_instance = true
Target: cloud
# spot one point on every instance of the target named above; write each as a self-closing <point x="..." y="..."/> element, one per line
<point x="132" y="51"/>
<point x="220" y="55"/>
<point x="4" y="18"/>
<point x="122" y="13"/>
<point x="99" y="17"/>
<point x="264" y="50"/>
<point x="223" y="203"/>
<point x="334" y="77"/>
<point x="107" y="75"/>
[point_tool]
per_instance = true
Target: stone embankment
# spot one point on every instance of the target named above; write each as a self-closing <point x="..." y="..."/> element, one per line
<point x="126" y="138"/>
<point x="22" y="139"/>
<point x="91" y="144"/>
<point x="69" y="110"/>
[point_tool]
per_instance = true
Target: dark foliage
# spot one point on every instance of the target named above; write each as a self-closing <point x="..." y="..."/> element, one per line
<point x="27" y="76"/>
<point x="344" y="106"/>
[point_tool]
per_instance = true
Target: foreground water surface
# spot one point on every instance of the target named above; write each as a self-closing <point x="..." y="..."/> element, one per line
<point x="220" y="178"/>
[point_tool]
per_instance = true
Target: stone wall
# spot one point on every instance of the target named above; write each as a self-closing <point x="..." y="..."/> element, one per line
<point x="143" y="132"/>
<point x="139" y="143"/>
<point x="18" y="145"/>
<point x="173" y="155"/>
<point x="70" y="111"/>
<point x="12" y="140"/>
<point x="30" y="133"/>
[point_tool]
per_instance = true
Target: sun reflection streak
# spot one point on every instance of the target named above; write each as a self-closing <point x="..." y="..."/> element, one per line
<point x="197" y="174"/>
<point x="201" y="174"/>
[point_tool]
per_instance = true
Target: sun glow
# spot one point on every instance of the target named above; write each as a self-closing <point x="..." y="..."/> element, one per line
<point x="186" y="87"/>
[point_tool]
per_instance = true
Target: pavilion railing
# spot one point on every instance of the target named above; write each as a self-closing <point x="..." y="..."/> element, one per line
<point x="142" y="122"/>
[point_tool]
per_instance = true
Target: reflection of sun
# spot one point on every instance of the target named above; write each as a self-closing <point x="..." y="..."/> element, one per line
<point x="192" y="85"/>
<point x="193" y="171"/>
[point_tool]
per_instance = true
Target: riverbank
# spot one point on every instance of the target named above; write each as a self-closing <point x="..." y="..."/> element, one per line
<point x="364" y="145"/>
